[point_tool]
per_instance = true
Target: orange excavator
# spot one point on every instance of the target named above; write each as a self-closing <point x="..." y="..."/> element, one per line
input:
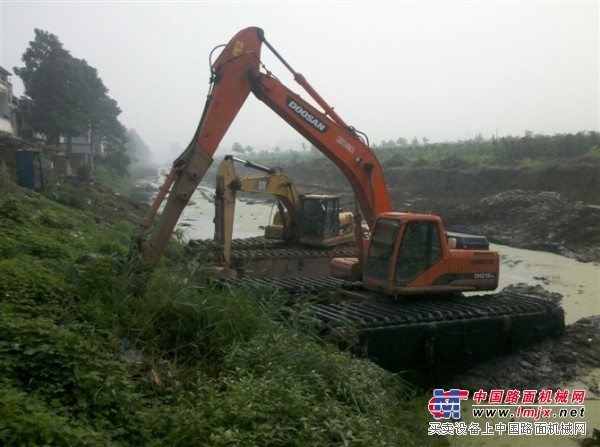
<point x="404" y="254"/>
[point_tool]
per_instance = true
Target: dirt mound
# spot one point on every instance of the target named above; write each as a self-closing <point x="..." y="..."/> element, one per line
<point x="532" y="220"/>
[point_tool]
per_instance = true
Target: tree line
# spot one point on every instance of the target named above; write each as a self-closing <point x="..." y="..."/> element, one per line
<point x="504" y="151"/>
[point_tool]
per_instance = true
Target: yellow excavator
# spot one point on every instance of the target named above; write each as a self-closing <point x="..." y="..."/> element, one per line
<point x="303" y="222"/>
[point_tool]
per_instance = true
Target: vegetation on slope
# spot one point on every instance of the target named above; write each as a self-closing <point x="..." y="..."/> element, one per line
<point x="88" y="356"/>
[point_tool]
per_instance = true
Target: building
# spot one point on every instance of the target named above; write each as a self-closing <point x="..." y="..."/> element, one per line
<point x="27" y="161"/>
<point x="8" y="105"/>
<point x="23" y="150"/>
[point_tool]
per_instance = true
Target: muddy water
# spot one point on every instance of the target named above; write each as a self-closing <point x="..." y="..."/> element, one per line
<point x="197" y="218"/>
<point x="577" y="282"/>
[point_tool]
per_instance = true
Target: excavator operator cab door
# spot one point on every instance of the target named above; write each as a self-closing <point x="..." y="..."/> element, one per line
<point x="420" y="248"/>
<point x="319" y="221"/>
<point x="380" y="257"/>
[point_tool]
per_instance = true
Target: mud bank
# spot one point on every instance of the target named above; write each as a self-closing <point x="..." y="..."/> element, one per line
<point x="543" y="221"/>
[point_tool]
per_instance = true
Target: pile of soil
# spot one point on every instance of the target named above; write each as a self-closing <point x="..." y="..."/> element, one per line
<point x="544" y="221"/>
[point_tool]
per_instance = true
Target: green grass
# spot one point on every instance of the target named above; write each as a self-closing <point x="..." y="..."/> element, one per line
<point x="94" y="354"/>
<point x="113" y="181"/>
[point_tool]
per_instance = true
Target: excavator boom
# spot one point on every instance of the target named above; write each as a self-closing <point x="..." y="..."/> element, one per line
<point x="342" y="145"/>
<point x="235" y="74"/>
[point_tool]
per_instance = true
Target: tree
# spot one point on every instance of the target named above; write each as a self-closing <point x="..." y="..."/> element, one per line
<point x="104" y="122"/>
<point x="137" y="146"/>
<point x="119" y="161"/>
<point x="402" y="142"/>
<point x="69" y="98"/>
<point x="41" y="49"/>
<point x="138" y="150"/>
<point x="237" y="148"/>
<point x="47" y="77"/>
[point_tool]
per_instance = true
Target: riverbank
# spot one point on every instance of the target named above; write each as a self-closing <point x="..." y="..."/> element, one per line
<point x="533" y="220"/>
<point x="550" y="205"/>
<point x="97" y="351"/>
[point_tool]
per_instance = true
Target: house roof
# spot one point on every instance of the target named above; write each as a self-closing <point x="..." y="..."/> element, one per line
<point x="5" y="72"/>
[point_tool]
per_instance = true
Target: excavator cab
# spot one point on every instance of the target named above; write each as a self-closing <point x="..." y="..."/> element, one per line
<point x="420" y="248"/>
<point x="321" y="223"/>
<point x="410" y="254"/>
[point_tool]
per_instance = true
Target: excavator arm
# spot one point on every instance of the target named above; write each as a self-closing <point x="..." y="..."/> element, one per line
<point x="229" y="88"/>
<point x="272" y="181"/>
<point x="235" y="74"/>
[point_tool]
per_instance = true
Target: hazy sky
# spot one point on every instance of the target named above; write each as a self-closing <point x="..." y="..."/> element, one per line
<point x="441" y="70"/>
